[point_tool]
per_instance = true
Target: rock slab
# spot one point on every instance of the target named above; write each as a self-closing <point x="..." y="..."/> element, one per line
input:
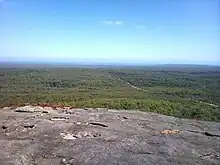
<point x="104" y="137"/>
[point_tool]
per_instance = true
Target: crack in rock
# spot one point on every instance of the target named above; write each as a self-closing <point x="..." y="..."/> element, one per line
<point x="205" y="133"/>
<point x="29" y="126"/>
<point x="98" y="124"/>
<point x="4" y="127"/>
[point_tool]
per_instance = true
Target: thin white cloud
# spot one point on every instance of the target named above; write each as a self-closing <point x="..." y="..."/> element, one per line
<point x="110" y="22"/>
<point x="119" y="22"/>
<point x="141" y="27"/>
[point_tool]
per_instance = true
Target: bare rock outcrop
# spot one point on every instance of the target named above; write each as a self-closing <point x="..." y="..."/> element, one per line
<point x="34" y="135"/>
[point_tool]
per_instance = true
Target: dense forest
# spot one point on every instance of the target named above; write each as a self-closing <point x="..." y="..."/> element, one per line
<point x="181" y="91"/>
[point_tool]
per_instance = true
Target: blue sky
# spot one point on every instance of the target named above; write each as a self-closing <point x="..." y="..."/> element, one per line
<point x="128" y="31"/>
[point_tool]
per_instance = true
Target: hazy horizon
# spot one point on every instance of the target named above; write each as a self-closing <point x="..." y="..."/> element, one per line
<point x="8" y="63"/>
<point x="110" y="32"/>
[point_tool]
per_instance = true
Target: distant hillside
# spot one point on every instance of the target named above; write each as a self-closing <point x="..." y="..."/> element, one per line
<point x="187" y="92"/>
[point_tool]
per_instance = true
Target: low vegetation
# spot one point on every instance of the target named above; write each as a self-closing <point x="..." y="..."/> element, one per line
<point x="181" y="91"/>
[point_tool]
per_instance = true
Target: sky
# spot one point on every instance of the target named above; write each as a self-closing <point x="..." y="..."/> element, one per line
<point x="111" y="31"/>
